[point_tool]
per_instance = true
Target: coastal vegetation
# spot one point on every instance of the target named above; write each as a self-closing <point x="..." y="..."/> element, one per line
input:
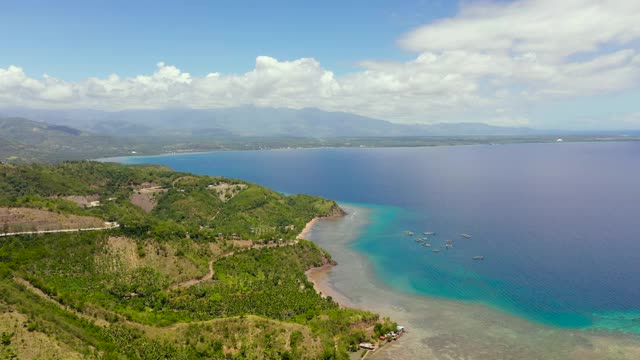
<point x="197" y="275"/>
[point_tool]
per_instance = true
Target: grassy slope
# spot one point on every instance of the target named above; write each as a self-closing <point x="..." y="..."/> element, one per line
<point x="123" y="277"/>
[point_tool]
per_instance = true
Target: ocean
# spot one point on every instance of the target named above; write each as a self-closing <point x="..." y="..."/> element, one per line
<point x="557" y="224"/>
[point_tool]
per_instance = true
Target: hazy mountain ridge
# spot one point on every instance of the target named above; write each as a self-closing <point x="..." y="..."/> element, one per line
<point x="252" y="121"/>
<point x="27" y="140"/>
<point x="33" y="132"/>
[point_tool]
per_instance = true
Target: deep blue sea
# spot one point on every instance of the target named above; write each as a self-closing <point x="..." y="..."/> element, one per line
<point x="558" y="224"/>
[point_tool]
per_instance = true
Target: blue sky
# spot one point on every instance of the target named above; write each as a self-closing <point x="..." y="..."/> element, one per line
<point x="77" y="39"/>
<point x="573" y="64"/>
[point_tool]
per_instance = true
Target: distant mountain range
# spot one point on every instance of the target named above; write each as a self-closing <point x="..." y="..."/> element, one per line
<point x="101" y="134"/>
<point x="251" y="121"/>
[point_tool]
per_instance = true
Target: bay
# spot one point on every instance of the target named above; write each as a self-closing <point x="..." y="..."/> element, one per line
<point x="555" y="223"/>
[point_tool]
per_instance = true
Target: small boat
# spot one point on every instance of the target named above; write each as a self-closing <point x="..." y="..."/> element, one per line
<point x="418" y="240"/>
<point x="426" y="245"/>
<point x="410" y="233"/>
<point x="465" y="235"/>
<point x="435" y="250"/>
<point x="429" y="233"/>
<point x="478" y="258"/>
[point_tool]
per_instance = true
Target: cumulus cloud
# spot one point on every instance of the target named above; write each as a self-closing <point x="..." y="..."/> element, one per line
<point x="487" y="63"/>
<point x="547" y="27"/>
<point x="534" y="45"/>
<point x="297" y="83"/>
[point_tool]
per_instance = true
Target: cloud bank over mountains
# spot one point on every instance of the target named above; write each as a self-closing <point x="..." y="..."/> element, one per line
<point x="490" y="62"/>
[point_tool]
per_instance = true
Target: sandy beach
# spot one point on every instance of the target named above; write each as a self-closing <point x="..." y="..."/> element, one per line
<point x="441" y="328"/>
<point x="304" y="234"/>
<point x="319" y="276"/>
<point x="307" y="228"/>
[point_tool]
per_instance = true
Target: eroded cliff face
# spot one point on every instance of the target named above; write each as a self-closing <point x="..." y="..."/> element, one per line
<point x="336" y="211"/>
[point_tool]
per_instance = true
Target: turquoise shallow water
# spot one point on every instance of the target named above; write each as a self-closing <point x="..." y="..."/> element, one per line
<point x="555" y="222"/>
<point x="409" y="267"/>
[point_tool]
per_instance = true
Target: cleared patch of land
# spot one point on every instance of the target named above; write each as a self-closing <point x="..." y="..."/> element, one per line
<point x="26" y="219"/>
<point x="22" y="340"/>
<point x="146" y="197"/>
<point x="83" y="201"/>
<point x="180" y="261"/>
<point x="226" y="191"/>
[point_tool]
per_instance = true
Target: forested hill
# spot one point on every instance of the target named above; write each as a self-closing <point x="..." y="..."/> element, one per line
<point x="175" y="266"/>
<point x="152" y="200"/>
<point x="23" y="140"/>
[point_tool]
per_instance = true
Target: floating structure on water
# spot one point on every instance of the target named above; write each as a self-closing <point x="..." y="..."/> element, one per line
<point x="478" y="258"/>
<point x="465" y="235"/>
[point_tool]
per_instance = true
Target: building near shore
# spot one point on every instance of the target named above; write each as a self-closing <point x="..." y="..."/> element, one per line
<point x="367" y="346"/>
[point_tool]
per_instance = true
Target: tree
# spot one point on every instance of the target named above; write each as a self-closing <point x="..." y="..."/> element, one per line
<point x="5" y="339"/>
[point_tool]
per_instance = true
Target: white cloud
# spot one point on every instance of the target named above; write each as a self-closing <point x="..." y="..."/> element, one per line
<point x="506" y="56"/>
<point x="623" y="121"/>
<point x="550" y="28"/>
<point x="530" y="45"/>
<point x="506" y="121"/>
<point x="297" y="83"/>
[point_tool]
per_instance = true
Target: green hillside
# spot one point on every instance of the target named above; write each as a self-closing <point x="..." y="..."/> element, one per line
<point x="197" y="267"/>
<point x="23" y="140"/>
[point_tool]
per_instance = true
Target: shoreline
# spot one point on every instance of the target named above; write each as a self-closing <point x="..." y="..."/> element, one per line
<point x="304" y="234"/>
<point x="444" y="328"/>
<point x="123" y="158"/>
<point x="118" y="158"/>
<point x="307" y="228"/>
<point x="319" y="277"/>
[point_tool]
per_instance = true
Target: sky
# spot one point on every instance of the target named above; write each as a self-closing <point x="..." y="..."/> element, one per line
<point x="571" y="64"/>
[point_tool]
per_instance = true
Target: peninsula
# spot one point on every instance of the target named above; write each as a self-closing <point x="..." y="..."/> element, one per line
<point x="102" y="260"/>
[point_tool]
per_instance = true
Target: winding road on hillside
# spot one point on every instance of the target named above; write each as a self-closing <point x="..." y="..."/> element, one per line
<point x="108" y="226"/>
<point x="209" y="275"/>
